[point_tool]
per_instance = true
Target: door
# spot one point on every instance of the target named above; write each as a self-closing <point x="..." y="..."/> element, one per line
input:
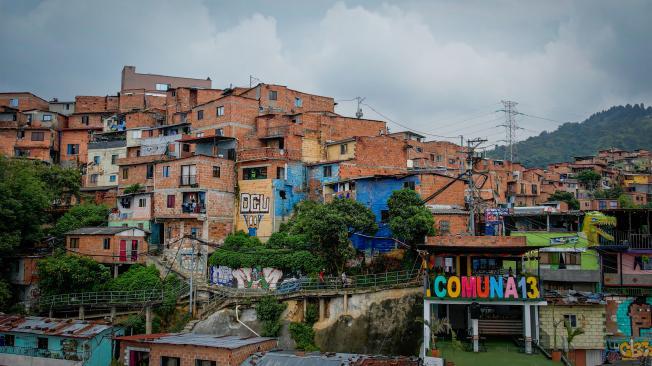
<point x="134" y="250"/>
<point x="123" y="250"/>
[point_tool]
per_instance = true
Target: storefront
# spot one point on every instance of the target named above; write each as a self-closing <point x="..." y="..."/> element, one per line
<point x="482" y="287"/>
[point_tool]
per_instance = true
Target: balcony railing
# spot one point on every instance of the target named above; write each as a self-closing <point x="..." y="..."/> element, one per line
<point x="197" y="208"/>
<point x="188" y="180"/>
<point x="45" y="353"/>
<point x="633" y="240"/>
<point x="278" y="131"/>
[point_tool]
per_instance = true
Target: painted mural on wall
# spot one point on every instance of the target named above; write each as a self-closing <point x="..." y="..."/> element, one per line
<point x="189" y="261"/>
<point x="630" y="317"/>
<point x="253" y="208"/>
<point x="262" y="278"/>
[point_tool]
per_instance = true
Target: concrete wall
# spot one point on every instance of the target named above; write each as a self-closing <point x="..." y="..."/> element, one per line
<point x="591" y="318"/>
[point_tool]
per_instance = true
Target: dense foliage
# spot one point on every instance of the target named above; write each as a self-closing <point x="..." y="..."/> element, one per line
<point x="590" y="178"/>
<point x="303" y="336"/>
<point x="269" y="311"/>
<point x="409" y="218"/>
<point x="86" y="214"/>
<point x="327" y="228"/>
<point x="626" y="127"/>
<point x="567" y="197"/>
<point x="283" y="259"/>
<point x="61" y="273"/>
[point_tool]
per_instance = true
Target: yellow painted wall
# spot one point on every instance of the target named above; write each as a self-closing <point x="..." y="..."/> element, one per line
<point x="590" y="318"/>
<point x="255" y="208"/>
<point x="333" y="151"/>
<point x="310" y="150"/>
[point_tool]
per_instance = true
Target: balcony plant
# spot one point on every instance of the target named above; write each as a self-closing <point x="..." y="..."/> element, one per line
<point x="436" y="326"/>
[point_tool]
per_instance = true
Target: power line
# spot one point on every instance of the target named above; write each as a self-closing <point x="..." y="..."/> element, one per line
<point x="509" y="107"/>
<point x="406" y="127"/>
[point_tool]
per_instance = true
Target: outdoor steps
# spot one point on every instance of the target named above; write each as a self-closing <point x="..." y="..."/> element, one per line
<point x="189" y="326"/>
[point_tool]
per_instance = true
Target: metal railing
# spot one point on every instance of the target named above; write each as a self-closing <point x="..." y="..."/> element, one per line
<point x="111" y="298"/>
<point x="628" y="291"/>
<point x="633" y="240"/>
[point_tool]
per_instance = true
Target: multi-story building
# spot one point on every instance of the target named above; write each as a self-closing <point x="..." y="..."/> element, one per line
<point x="131" y="80"/>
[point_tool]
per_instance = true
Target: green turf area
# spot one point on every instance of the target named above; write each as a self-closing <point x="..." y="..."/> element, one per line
<point x="501" y="353"/>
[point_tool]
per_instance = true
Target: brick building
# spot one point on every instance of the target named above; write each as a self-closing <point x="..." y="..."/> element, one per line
<point x="189" y="349"/>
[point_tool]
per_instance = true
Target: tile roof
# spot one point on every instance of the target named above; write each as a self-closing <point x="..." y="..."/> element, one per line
<point x="202" y="340"/>
<point x="100" y="230"/>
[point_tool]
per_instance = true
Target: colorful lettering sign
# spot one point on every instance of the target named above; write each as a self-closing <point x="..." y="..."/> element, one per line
<point x="484" y="287"/>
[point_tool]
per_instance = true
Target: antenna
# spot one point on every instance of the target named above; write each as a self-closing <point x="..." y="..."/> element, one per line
<point x="251" y="80"/>
<point x="358" y="113"/>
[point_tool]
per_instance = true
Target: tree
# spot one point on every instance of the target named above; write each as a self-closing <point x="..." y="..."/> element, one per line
<point x="327" y="228"/>
<point x="567" y="197"/>
<point x="590" y="178"/>
<point x="86" y="214"/>
<point x="409" y="218"/>
<point x="625" y="201"/>
<point x="25" y="197"/>
<point x="61" y="273"/>
<point x="138" y="277"/>
<point x="269" y="311"/>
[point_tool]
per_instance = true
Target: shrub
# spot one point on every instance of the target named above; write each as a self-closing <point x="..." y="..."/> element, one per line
<point x="269" y="311"/>
<point x="312" y="314"/>
<point x="304" y="336"/>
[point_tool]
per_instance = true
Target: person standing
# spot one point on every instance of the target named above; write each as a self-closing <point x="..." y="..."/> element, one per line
<point x="344" y="282"/>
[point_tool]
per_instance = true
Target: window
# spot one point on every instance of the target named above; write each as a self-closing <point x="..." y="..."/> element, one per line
<point x="444" y="227"/>
<point x="219" y="132"/>
<point x="220" y="111"/>
<point x="186" y="147"/>
<point x="125" y="173"/>
<point x="440" y="158"/>
<point x="13" y="102"/>
<point x="200" y="114"/>
<point x="205" y="363"/>
<point x="409" y="185"/>
<point x="419" y="149"/>
<point x="29" y="118"/>
<point x="93" y="178"/>
<point x="216" y="172"/>
<point x="280" y="172"/>
<point x="571" y="319"/>
<point x="20" y="134"/>
<point x="74" y="243"/>
<point x="162" y="87"/>
<point x="85" y="120"/>
<point x="166" y="171"/>
<point x="171" y="198"/>
<point x="46" y="118"/>
<point x="37" y="136"/>
<point x="142" y="202"/>
<point x="140" y="225"/>
<point x="42" y="343"/>
<point x="522" y="188"/>
<point x="298" y="102"/>
<point x="136" y="134"/>
<point x="254" y="173"/>
<point x="112" y="178"/>
<point x="170" y="361"/>
<point x="114" y="159"/>
<point x="534" y="189"/>
<point x="68" y="107"/>
<point x="200" y="134"/>
<point x="328" y="171"/>
<point x="384" y="215"/>
<point x="106" y="244"/>
<point x="96" y="159"/>
<point x="272" y="95"/>
<point x="9" y="340"/>
<point x="344" y="148"/>
<point x="150" y="171"/>
<point x="73" y="149"/>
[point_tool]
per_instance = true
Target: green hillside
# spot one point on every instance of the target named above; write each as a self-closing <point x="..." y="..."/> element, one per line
<point x="625" y="127"/>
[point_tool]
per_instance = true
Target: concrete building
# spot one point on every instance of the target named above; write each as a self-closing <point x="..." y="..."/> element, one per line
<point x="189" y="349"/>
<point x="39" y="341"/>
<point x="65" y="108"/>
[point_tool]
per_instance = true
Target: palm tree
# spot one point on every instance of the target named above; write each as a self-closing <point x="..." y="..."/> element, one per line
<point x="437" y="326"/>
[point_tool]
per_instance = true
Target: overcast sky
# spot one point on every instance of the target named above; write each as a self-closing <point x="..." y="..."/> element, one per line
<point x="440" y="67"/>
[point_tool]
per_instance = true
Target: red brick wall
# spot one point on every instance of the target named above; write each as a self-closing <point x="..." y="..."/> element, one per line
<point x="237" y="110"/>
<point x="80" y="137"/>
<point x="132" y="100"/>
<point x="93" y="246"/>
<point x="140" y="119"/>
<point x="26" y="101"/>
<point x="457" y="223"/>
<point x="453" y="195"/>
<point x="285" y="100"/>
<point x="8" y="140"/>
<point x="205" y="178"/>
<point x="94" y="121"/>
<point x="94" y="104"/>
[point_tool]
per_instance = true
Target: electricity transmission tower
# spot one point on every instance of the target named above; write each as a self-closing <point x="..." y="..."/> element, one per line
<point x="509" y="108"/>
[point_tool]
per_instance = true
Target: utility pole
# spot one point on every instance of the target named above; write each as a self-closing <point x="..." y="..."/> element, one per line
<point x="471" y="145"/>
<point x="510" y="125"/>
<point x="358" y="113"/>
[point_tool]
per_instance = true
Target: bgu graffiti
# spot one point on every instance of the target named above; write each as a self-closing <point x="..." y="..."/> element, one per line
<point x="253" y="207"/>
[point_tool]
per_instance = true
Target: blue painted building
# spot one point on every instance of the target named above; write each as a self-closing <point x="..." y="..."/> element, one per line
<point x="58" y="342"/>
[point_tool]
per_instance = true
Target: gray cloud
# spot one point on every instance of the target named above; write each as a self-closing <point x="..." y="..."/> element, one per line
<point x="440" y="67"/>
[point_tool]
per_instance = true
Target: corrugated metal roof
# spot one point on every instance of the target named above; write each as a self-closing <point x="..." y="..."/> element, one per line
<point x="100" y="230"/>
<point x="203" y="340"/>
<point x="291" y="359"/>
<point x="70" y="328"/>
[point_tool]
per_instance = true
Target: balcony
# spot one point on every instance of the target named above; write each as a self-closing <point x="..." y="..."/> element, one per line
<point x="632" y="240"/>
<point x="274" y="132"/>
<point x="193" y="208"/>
<point x="188" y="180"/>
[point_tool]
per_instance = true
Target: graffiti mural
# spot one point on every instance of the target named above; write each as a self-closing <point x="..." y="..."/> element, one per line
<point x="253" y="207"/>
<point x="222" y="276"/>
<point x="629" y="317"/>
